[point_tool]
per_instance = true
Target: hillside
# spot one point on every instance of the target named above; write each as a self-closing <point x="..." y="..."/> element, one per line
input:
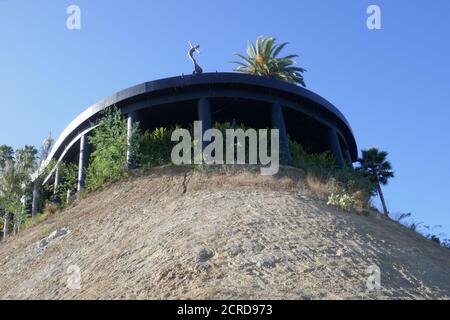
<point x="175" y="233"/>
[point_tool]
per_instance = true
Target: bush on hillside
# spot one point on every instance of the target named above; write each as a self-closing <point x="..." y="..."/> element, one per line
<point x="109" y="142"/>
<point x="68" y="175"/>
<point x="50" y="208"/>
<point x="342" y="201"/>
<point x="155" y="148"/>
<point x="325" y="178"/>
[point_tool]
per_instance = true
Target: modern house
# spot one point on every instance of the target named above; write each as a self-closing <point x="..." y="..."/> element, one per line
<point x="255" y="101"/>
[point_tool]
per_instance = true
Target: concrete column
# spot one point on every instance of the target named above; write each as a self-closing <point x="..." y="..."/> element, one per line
<point x="131" y="120"/>
<point x="69" y="193"/>
<point x="56" y="184"/>
<point x="36" y="196"/>
<point x="278" y="123"/>
<point x="57" y="180"/>
<point x="204" y="115"/>
<point x="347" y="156"/>
<point x="335" y="147"/>
<point x="5" y="225"/>
<point x="83" y="161"/>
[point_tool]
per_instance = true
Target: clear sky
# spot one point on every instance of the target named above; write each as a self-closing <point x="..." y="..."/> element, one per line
<point x="392" y="84"/>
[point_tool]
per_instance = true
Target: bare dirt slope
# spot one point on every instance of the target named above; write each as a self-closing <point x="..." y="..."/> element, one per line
<point x="176" y="233"/>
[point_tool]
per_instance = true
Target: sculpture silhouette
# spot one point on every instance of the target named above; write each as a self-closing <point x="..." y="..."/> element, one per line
<point x="192" y="50"/>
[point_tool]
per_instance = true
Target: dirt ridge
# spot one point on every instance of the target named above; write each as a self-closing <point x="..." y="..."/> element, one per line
<point x="176" y="233"/>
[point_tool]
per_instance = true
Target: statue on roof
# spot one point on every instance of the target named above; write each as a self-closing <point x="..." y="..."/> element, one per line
<point x="192" y="50"/>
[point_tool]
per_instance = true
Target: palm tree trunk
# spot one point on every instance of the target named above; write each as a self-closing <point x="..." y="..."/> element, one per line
<point x="386" y="213"/>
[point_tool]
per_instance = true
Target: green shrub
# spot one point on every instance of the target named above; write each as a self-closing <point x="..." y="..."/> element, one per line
<point x="68" y="173"/>
<point x="319" y="165"/>
<point x="327" y="176"/>
<point x="69" y="179"/>
<point x="109" y="142"/>
<point x="342" y="201"/>
<point x="155" y="148"/>
<point x="223" y="126"/>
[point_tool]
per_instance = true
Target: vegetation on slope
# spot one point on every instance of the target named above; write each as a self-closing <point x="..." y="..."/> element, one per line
<point x="345" y="188"/>
<point x="218" y="233"/>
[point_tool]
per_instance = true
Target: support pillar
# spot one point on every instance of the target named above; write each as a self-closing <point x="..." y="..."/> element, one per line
<point x="69" y="194"/>
<point x="278" y="123"/>
<point x="204" y="115"/>
<point x="5" y="225"/>
<point x="131" y="120"/>
<point x="347" y="156"/>
<point x="57" y="181"/>
<point x="335" y="147"/>
<point x="36" y="196"/>
<point x="23" y="202"/>
<point x="56" y="184"/>
<point x="83" y="161"/>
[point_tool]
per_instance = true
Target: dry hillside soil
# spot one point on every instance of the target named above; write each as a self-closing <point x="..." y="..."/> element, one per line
<point x="176" y="233"/>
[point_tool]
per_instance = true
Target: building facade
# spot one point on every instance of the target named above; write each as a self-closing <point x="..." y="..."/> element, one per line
<point x="254" y="101"/>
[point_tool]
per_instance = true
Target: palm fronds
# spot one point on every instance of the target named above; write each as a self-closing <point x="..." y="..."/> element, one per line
<point x="262" y="60"/>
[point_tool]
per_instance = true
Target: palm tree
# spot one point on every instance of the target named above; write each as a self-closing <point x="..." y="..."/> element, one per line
<point x="26" y="159"/>
<point x="46" y="147"/>
<point x="6" y="156"/>
<point x="262" y="60"/>
<point x="374" y="166"/>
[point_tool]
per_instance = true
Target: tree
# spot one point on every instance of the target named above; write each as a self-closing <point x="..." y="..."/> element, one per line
<point x="46" y="147"/>
<point x="110" y="142"/>
<point x="262" y="60"/>
<point x="4" y="214"/>
<point x="6" y="156"/>
<point x="68" y="174"/>
<point x="25" y="165"/>
<point x="15" y="179"/>
<point x="6" y="167"/>
<point x="26" y="159"/>
<point x="374" y="166"/>
<point x="44" y="151"/>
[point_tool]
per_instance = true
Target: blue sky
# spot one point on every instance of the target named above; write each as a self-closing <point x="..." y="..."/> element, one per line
<point x="391" y="84"/>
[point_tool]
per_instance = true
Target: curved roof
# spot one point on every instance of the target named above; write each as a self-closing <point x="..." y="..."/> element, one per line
<point x="208" y="80"/>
